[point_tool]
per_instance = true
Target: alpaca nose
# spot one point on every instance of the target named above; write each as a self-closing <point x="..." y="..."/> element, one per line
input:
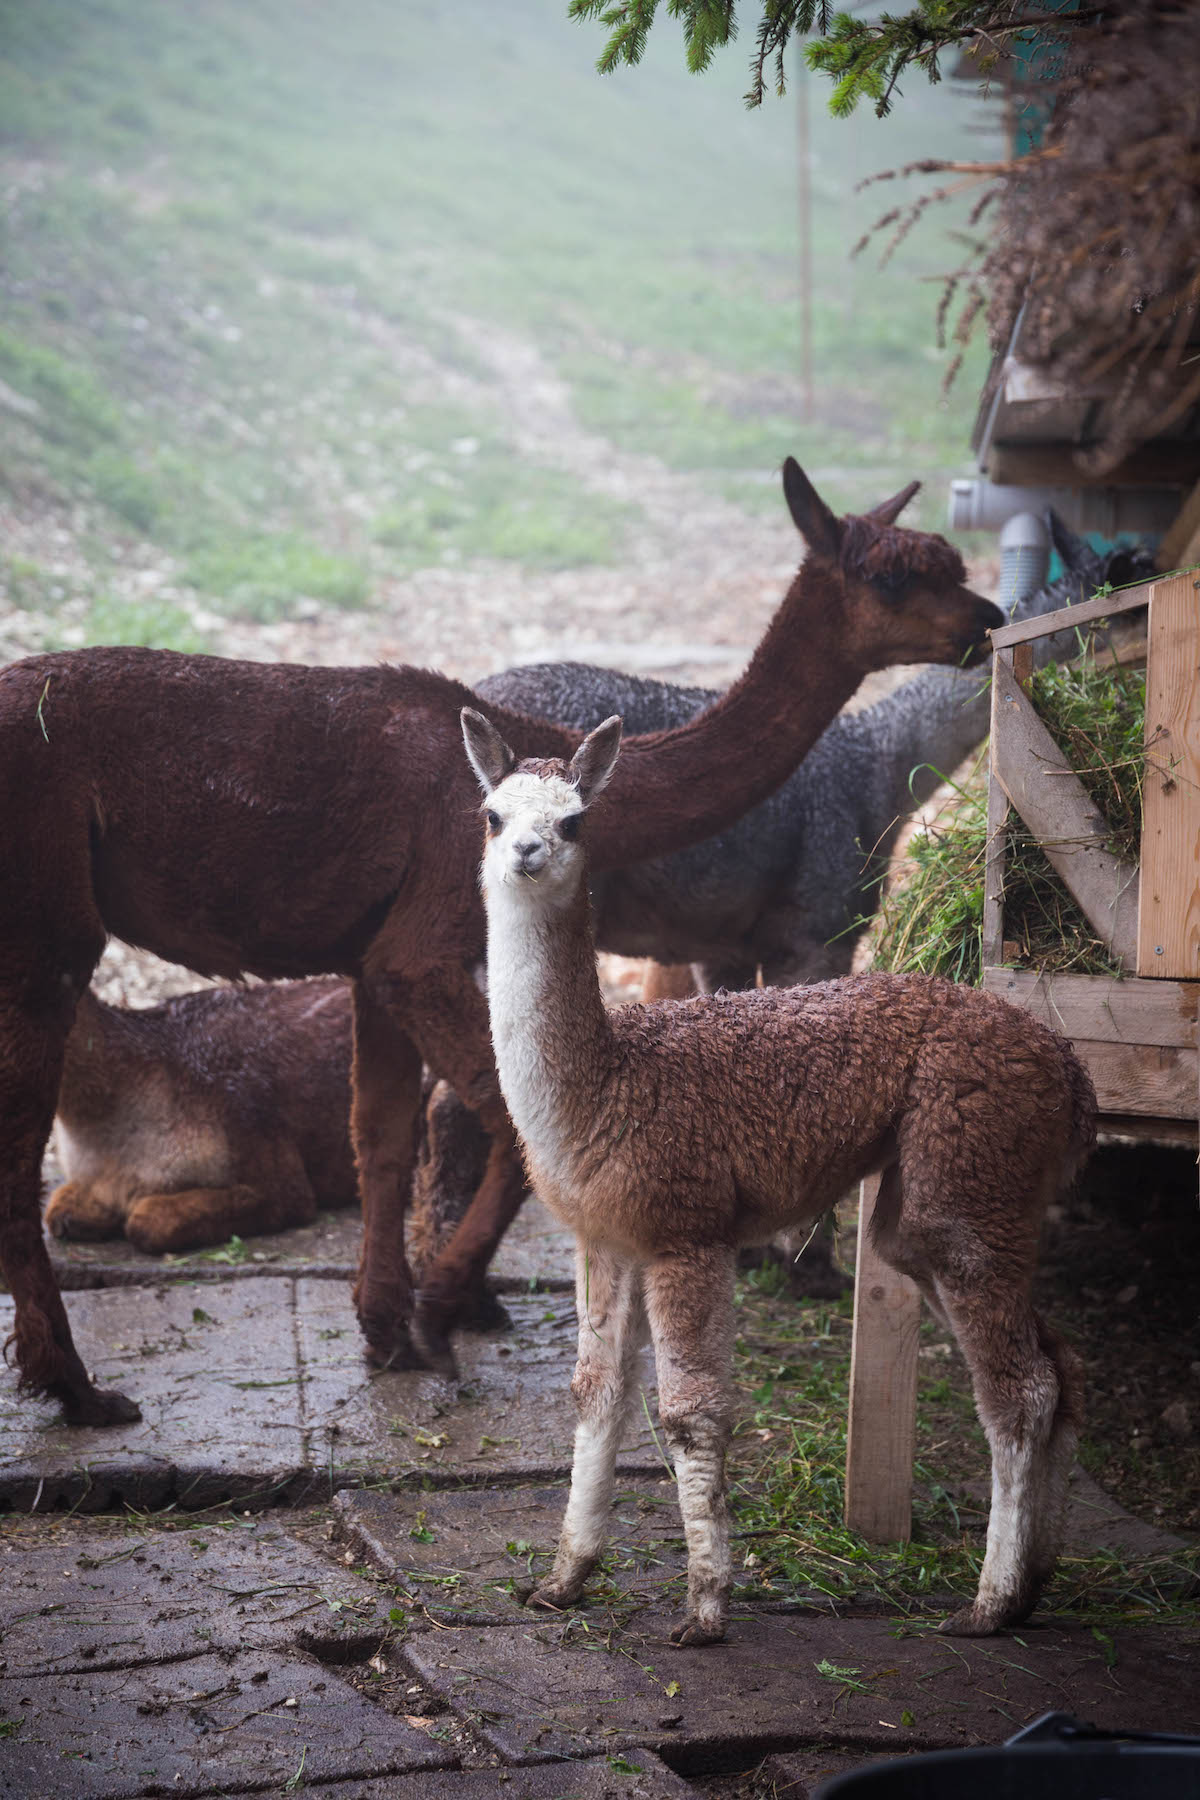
<point x="530" y="853"/>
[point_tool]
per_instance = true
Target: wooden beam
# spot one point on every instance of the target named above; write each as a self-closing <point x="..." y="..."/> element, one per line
<point x="1102" y="1008"/>
<point x="1115" y="1128"/>
<point x="1166" y="464"/>
<point x="1157" y="1082"/>
<point x="1051" y="799"/>
<point x="1067" y="617"/>
<point x="882" y="1427"/>
<point x="1169" y="904"/>
<point x="1181" y="541"/>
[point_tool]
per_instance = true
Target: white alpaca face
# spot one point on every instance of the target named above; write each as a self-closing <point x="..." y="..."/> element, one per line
<point x="533" y="825"/>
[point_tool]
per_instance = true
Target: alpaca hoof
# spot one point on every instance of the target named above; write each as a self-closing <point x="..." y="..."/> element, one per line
<point x="973" y="1621"/>
<point x="696" y="1631"/>
<point x="432" y="1342"/>
<point x="391" y="1349"/>
<point x="431" y="1322"/>
<point x="482" y="1311"/>
<point x="100" y="1406"/>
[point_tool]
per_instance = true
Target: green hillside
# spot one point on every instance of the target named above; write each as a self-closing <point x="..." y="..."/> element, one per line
<point x="250" y="253"/>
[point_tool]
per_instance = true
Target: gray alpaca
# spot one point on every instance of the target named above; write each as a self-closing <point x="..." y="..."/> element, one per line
<point x="788" y="886"/>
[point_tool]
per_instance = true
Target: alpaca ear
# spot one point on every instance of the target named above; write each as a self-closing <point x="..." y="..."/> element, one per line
<point x="596" y="758"/>
<point x="1078" y="557"/>
<point x="489" y="755"/>
<point x="888" y="511"/>
<point x="820" y="528"/>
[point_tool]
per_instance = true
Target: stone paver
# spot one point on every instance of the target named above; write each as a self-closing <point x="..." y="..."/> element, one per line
<point x="474" y="1552"/>
<point x="109" y="1602"/>
<point x="198" y="1727"/>
<point x="214" y="1371"/>
<point x="642" y="1776"/>
<point x="569" y="1687"/>
<point x="257" y="1390"/>
<point x="510" y="1415"/>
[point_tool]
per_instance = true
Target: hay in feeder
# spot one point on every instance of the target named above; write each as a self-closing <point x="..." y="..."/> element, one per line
<point x="932" y="921"/>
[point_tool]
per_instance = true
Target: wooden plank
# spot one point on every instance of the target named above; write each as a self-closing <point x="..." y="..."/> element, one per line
<point x="1050" y="798"/>
<point x="1168" y="463"/>
<point x="1067" y="617"/>
<point x="1117" y="1128"/>
<point x="1181" y="541"/>
<point x="1169" y="909"/>
<point x="1151" y="1080"/>
<point x="882" y="1425"/>
<point x="1102" y="1008"/>
<point x="992" y="928"/>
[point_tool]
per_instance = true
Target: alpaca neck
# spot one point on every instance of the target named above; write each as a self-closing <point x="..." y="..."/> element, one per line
<point x="672" y="789"/>
<point x="551" y="1033"/>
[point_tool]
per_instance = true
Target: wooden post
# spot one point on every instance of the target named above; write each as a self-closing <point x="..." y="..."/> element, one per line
<point x="883" y="1390"/>
<point x="994" y="857"/>
<point x="1169" y="898"/>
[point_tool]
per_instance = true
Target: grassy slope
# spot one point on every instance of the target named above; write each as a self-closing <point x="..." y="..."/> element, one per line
<point x="235" y="239"/>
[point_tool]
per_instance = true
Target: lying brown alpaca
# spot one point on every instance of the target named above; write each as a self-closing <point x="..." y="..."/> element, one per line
<point x="285" y="821"/>
<point x="222" y="1111"/>
<point x="668" y="1135"/>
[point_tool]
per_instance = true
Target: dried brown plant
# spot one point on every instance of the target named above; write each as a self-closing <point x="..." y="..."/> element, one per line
<point x="1096" y="231"/>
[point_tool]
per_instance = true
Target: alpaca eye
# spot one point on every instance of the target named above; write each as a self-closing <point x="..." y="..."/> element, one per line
<point x="568" y="827"/>
<point x="493" y="821"/>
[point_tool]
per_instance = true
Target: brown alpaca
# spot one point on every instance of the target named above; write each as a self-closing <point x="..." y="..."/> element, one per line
<point x="220" y="1112"/>
<point x="288" y="821"/>
<point x="668" y="1135"/>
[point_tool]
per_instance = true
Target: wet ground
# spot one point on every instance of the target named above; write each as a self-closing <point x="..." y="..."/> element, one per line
<point x="293" y="1575"/>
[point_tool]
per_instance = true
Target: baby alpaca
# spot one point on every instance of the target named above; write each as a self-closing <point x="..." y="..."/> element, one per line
<point x="222" y="1111"/>
<point x="669" y="1135"/>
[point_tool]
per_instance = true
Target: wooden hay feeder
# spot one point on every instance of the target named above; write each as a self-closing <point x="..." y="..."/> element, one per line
<point x="1137" y="1033"/>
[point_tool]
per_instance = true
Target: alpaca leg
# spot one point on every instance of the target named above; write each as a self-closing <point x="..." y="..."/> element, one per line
<point x="30" y="1068"/>
<point x="1028" y="1395"/>
<point x="192" y="1218"/>
<point x="452" y="1158"/>
<point x="612" y="1329"/>
<point x="735" y="977"/>
<point x="386" y="1098"/>
<point x="689" y="1301"/>
<point x="85" y="1213"/>
<point x="448" y="1017"/>
<point x="667" y="981"/>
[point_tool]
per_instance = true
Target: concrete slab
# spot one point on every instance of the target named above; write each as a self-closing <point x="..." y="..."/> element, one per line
<point x="476" y="1552"/>
<point x="796" y="1774"/>
<point x="642" y="1776"/>
<point x="215" y="1372"/>
<point x="257" y="1390"/>
<point x="510" y="1414"/>
<point x="1095" y="1521"/>
<point x="328" y="1246"/>
<point x="566" y="1687"/>
<point x="199" y="1727"/>
<point x="110" y="1601"/>
<point x="536" y="1252"/>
